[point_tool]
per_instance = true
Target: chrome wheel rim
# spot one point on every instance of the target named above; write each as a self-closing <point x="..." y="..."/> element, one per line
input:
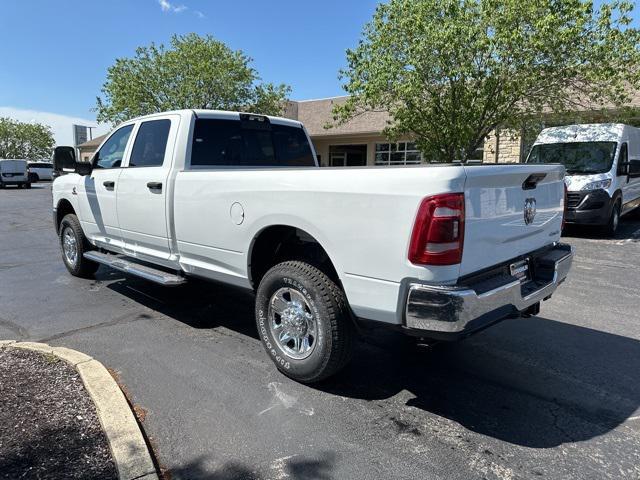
<point x="616" y="219"/>
<point x="292" y="324"/>
<point x="69" y="246"/>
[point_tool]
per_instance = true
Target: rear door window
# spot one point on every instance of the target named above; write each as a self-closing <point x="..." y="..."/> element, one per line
<point x="218" y="142"/>
<point x="150" y="144"/>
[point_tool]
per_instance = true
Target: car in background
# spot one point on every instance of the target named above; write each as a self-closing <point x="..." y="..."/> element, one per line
<point x="14" y="172"/>
<point x="40" y="171"/>
<point x="603" y="170"/>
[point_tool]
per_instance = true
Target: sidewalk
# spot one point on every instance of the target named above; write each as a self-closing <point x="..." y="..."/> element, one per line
<point x="63" y="416"/>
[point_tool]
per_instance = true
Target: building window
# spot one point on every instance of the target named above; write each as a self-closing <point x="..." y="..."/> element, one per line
<point x="402" y="153"/>
<point x="477" y="155"/>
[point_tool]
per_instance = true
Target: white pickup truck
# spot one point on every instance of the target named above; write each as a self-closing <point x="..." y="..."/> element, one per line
<point x="438" y="251"/>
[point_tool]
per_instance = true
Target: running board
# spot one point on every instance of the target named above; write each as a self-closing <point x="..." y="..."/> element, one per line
<point x="119" y="262"/>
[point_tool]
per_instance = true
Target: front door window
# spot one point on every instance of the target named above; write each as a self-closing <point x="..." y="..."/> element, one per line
<point x="111" y="153"/>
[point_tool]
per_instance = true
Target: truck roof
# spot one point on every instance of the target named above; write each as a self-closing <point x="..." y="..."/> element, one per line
<point x="222" y="114"/>
<point x="587" y="132"/>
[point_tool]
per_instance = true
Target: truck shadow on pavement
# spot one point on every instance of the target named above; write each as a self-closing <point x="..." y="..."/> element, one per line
<point x="534" y="382"/>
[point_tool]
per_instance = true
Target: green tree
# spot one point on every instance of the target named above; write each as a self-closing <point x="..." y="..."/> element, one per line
<point x="25" y="140"/>
<point x="194" y="72"/>
<point x="450" y="71"/>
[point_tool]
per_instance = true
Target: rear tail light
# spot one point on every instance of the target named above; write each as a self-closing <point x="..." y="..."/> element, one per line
<point x="564" y="211"/>
<point x="438" y="233"/>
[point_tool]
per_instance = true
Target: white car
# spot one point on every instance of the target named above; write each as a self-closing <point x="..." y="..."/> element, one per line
<point x="14" y="172"/>
<point x="603" y="167"/>
<point x="436" y="251"/>
<point x="40" y="171"/>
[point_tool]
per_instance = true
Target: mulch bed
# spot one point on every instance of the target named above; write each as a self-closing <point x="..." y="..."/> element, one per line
<point x="48" y="424"/>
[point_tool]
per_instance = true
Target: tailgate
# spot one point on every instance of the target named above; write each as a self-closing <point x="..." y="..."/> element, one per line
<point x="497" y="228"/>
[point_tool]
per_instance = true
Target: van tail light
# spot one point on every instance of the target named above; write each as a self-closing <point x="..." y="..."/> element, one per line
<point x="438" y="232"/>
<point x="564" y="211"/>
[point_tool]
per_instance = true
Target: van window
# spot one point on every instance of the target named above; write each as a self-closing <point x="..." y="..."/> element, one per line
<point x="219" y="142"/>
<point x="111" y="153"/>
<point x="151" y="143"/>
<point x="577" y="157"/>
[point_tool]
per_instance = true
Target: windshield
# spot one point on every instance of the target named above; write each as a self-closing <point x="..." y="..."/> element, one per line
<point x="577" y="157"/>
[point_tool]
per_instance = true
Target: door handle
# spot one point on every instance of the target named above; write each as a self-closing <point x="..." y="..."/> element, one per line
<point x="154" y="185"/>
<point x="109" y="184"/>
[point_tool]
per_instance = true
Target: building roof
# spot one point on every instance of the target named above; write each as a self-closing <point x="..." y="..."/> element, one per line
<point x="316" y="114"/>
<point x="93" y="143"/>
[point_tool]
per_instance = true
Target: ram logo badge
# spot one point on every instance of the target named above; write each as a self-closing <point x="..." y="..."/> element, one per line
<point x="529" y="210"/>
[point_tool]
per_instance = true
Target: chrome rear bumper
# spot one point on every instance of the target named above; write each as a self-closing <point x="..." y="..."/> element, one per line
<point x="464" y="309"/>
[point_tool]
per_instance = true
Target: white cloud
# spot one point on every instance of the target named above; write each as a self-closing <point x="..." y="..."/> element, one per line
<point x="166" y="6"/>
<point x="199" y="14"/>
<point x="61" y="125"/>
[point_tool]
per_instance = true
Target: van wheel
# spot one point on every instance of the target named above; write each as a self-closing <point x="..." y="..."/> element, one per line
<point x="303" y="322"/>
<point x="73" y="244"/>
<point x="1" y="185"/>
<point x="614" y="220"/>
<point x="27" y="185"/>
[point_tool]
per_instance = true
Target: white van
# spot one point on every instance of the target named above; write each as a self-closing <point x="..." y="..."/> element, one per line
<point x="14" y="172"/>
<point x="603" y="169"/>
<point x="40" y="171"/>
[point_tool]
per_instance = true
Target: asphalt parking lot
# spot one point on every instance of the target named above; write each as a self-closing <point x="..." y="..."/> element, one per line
<point x="553" y="396"/>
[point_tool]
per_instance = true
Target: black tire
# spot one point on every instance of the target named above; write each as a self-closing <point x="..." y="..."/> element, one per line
<point x="27" y="185"/>
<point x="80" y="266"/>
<point x="1" y="186"/>
<point x="334" y="331"/>
<point x="611" y="227"/>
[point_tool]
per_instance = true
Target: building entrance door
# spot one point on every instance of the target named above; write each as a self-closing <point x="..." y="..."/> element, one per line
<point x="347" y="155"/>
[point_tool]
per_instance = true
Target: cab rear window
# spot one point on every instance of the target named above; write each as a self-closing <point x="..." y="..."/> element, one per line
<point x="252" y="142"/>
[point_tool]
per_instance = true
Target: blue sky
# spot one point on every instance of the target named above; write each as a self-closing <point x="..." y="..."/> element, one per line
<point x="54" y="54"/>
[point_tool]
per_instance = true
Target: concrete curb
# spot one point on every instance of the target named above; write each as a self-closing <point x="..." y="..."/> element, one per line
<point x="128" y="448"/>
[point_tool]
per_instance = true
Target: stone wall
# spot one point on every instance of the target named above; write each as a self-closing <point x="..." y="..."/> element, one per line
<point x="508" y="145"/>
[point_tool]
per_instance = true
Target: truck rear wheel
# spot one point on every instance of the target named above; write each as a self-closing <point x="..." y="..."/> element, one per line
<point x="303" y="321"/>
<point x="73" y="244"/>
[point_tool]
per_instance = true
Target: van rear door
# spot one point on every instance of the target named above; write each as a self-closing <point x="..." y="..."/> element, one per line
<point x="510" y="210"/>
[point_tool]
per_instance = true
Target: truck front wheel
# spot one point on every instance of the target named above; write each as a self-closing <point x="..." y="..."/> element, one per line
<point x="73" y="244"/>
<point x="303" y="321"/>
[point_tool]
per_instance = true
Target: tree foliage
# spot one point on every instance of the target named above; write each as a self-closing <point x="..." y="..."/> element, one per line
<point x="25" y="140"/>
<point x="194" y="72"/>
<point x="450" y="71"/>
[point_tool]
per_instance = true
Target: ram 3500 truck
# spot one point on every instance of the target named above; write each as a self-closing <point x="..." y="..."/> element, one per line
<point x="437" y="251"/>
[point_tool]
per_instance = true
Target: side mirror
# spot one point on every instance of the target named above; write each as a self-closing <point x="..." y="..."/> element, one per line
<point x="64" y="159"/>
<point x="633" y="170"/>
<point x="83" y="168"/>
